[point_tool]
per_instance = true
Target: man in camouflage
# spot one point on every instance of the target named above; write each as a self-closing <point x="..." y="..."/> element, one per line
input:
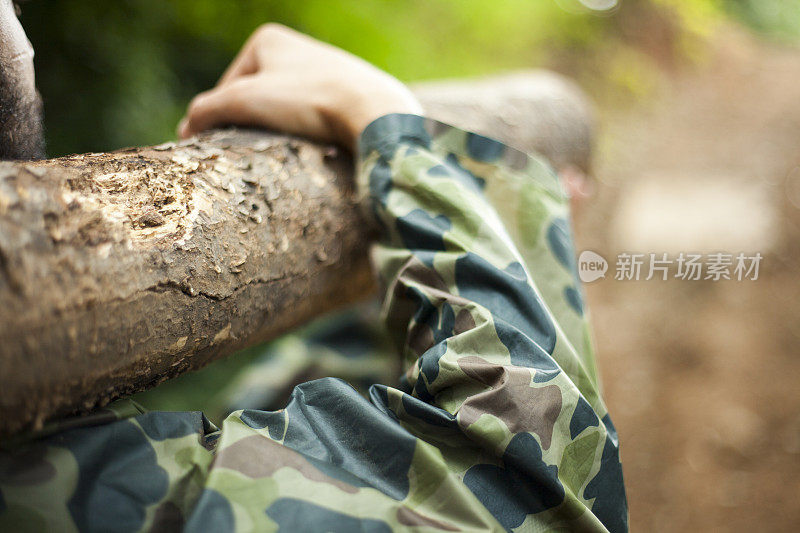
<point x="496" y="422"/>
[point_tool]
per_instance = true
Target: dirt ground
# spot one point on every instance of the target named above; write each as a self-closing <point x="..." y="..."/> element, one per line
<point x="701" y="377"/>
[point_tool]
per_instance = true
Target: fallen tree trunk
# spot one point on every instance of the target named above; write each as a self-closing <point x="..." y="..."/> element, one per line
<point x="121" y="270"/>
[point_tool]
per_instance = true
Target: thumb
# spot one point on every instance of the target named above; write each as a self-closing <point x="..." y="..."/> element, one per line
<point x="227" y="104"/>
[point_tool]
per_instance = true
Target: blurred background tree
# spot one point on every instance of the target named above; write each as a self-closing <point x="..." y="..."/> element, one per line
<point x="120" y="73"/>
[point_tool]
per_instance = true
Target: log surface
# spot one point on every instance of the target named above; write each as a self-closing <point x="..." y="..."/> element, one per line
<point x="120" y="270"/>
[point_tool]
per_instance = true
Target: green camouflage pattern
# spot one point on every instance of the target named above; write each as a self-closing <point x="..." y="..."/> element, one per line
<point x="496" y="422"/>
<point x="351" y="345"/>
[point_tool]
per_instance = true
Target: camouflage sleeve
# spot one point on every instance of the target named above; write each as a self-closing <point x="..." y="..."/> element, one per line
<point x="496" y="424"/>
<point x="483" y="300"/>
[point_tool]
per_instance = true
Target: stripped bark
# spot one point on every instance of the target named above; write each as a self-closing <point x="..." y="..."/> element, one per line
<point x="121" y="270"/>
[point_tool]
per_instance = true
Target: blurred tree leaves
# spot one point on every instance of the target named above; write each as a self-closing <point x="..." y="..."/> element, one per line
<point x="120" y="73"/>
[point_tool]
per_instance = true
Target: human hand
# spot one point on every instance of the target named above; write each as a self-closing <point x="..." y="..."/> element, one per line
<point x="287" y="81"/>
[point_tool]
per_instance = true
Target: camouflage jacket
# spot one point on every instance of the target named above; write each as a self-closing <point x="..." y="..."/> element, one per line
<point x="496" y="422"/>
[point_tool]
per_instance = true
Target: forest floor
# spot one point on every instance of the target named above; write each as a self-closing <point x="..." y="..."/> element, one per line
<point x="701" y="377"/>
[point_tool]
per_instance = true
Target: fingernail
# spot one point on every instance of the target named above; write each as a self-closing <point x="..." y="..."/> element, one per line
<point x="576" y="182"/>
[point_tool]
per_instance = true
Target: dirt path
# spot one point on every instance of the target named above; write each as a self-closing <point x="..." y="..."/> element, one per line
<point x="701" y="377"/>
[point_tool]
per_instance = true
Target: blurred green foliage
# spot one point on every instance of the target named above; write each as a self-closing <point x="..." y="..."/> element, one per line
<point x="779" y="19"/>
<point x="120" y="73"/>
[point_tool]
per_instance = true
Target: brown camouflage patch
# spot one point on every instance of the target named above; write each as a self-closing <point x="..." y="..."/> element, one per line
<point x="409" y="517"/>
<point x="511" y="399"/>
<point x="464" y="322"/>
<point x="416" y="272"/>
<point x="420" y="338"/>
<point x="259" y="457"/>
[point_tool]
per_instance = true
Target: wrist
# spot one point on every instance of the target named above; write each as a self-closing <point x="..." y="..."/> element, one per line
<point x="367" y="106"/>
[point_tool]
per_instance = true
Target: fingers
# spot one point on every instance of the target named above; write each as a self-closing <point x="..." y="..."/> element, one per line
<point x="226" y="104"/>
<point x="289" y="82"/>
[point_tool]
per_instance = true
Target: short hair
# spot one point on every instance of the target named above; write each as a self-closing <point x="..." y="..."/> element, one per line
<point x="21" y="121"/>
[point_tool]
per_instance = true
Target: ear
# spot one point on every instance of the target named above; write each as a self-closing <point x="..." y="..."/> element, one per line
<point x="578" y="185"/>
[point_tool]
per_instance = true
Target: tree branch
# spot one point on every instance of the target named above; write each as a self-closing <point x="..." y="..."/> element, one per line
<point x="121" y="270"/>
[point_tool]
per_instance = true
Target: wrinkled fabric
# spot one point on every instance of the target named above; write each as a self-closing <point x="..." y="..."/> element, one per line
<point x="352" y="345"/>
<point x="496" y="422"/>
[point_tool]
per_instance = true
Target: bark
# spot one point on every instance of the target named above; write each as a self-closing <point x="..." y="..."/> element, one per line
<point x="121" y="270"/>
